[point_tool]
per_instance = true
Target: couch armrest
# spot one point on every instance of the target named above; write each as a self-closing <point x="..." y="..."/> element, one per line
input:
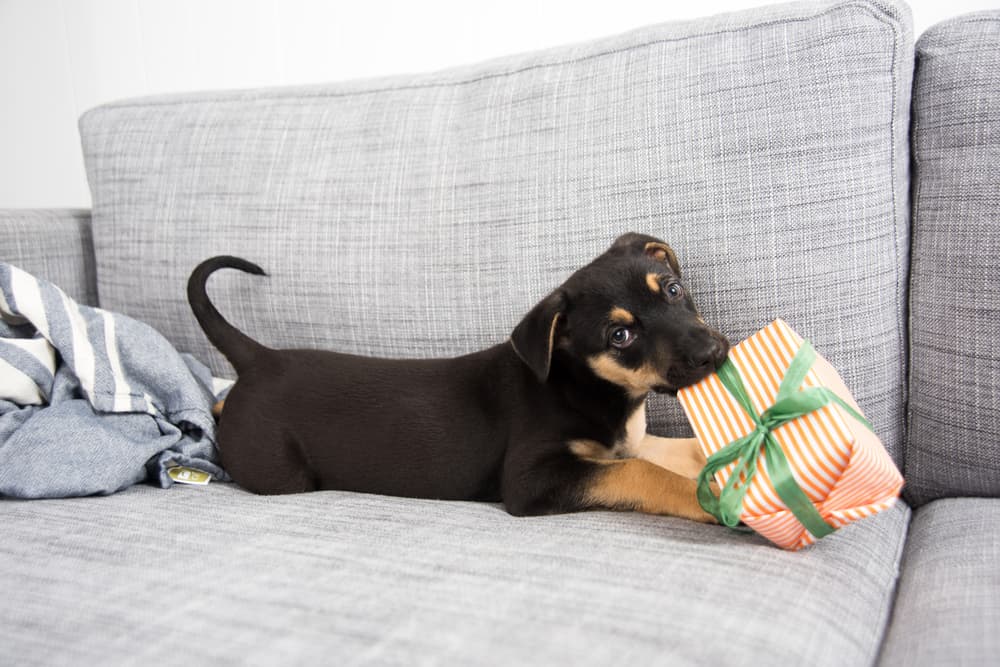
<point x="54" y="244"/>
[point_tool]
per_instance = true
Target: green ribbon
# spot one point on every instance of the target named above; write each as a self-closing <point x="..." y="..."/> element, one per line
<point x="790" y="404"/>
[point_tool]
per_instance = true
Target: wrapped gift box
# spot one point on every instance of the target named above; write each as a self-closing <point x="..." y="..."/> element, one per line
<point x="779" y="418"/>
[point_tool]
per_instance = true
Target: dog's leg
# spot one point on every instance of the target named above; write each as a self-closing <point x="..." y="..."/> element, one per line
<point x="681" y="455"/>
<point x="637" y="484"/>
<point x="259" y="454"/>
<point x="570" y="483"/>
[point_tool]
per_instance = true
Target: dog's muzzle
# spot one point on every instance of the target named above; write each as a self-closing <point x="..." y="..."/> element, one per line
<point x="711" y="355"/>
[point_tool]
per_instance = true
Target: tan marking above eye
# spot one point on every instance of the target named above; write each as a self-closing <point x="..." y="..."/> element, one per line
<point x="621" y="316"/>
<point x="653" y="282"/>
<point x="636" y="381"/>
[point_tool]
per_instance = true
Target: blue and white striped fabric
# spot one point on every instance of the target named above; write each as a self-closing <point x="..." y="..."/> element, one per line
<point x="92" y="401"/>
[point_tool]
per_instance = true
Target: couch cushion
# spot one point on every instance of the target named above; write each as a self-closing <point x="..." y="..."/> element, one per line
<point x="954" y="441"/>
<point x="216" y="574"/>
<point x="948" y="609"/>
<point x="424" y="215"/>
<point x="54" y="244"/>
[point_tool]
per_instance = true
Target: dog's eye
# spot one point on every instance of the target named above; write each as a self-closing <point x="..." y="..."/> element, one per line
<point x="674" y="290"/>
<point x="622" y="337"/>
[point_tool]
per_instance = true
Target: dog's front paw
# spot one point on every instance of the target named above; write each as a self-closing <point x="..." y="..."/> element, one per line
<point x="695" y="511"/>
<point x="700" y="514"/>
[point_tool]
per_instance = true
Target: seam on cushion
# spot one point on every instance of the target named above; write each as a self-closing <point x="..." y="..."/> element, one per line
<point x="234" y="96"/>
<point x="944" y="28"/>
<point x="902" y="287"/>
<point x="908" y="415"/>
<point x="987" y="16"/>
<point x="944" y="34"/>
<point x="944" y="31"/>
<point x="903" y="294"/>
<point x="916" y="193"/>
<point x="975" y="19"/>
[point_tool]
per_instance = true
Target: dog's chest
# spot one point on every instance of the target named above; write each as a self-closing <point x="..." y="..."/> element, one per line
<point x="635" y="432"/>
<point x="627" y="445"/>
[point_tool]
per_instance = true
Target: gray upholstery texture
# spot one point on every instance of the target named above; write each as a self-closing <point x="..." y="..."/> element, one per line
<point x="216" y="575"/>
<point x="947" y="609"/>
<point x="53" y="244"/>
<point x="954" y="440"/>
<point x="424" y="215"/>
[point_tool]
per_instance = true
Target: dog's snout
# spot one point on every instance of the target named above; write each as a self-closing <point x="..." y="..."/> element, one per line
<point x="711" y="354"/>
<point x="721" y="351"/>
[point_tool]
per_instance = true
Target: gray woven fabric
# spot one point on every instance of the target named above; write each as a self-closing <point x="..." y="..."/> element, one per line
<point x="954" y="442"/>
<point x="423" y="216"/>
<point x="54" y="244"/>
<point x="218" y="576"/>
<point x="947" y="609"/>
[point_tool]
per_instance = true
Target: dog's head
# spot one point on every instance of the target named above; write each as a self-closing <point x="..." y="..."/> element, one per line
<point x="628" y="318"/>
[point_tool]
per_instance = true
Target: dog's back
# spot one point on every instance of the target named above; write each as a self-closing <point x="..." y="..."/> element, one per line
<point x="418" y="427"/>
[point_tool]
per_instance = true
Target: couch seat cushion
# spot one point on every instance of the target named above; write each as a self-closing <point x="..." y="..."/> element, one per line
<point x="216" y="574"/>
<point x="948" y="606"/>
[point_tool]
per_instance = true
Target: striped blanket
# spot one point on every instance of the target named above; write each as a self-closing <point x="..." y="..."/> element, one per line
<point x="91" y="401"/>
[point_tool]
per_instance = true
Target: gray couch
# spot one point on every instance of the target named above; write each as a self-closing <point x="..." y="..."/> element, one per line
<point x="806" y="161"/>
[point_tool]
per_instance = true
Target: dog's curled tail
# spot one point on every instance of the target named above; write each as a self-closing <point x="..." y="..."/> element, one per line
<point x="239" y="348"/>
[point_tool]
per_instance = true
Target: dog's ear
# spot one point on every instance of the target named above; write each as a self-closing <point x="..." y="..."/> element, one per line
<point x="661" y="252"/>
<point x="535" y="335"/>
<point x="641" y="244"/>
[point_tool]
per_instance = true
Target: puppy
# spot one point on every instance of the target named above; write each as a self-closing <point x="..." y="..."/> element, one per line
<point x="551" y="420"/>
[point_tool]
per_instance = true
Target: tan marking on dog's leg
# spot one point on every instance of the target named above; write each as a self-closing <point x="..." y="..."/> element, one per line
<point x="680" y="455"/>
<point x="590" y="450"/>
<point x="217" y="408"/>
<point x="621" y="316"/>
<point x="653" y="281"/>
<point x="635" y="484"/>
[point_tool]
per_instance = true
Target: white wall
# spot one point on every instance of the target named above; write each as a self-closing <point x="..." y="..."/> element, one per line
<point x="58" y="58"/>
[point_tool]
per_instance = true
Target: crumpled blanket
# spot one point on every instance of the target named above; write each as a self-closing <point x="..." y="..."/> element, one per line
<point x="92" y="402"/>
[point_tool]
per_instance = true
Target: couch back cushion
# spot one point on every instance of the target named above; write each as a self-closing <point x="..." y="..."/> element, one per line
<point x="52" y="244"/>
<point x="954" y="442"/>
<point x="424" y="215"/>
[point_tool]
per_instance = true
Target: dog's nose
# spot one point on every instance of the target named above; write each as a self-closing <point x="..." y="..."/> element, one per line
<point x="722" y="351"/>
<point x="713" y="353"/>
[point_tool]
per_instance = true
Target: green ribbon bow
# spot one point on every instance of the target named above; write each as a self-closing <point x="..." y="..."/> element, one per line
<point x="790" y="404"/>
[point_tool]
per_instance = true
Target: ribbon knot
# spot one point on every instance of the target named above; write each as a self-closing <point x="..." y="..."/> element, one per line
<point x="791" y="403"/>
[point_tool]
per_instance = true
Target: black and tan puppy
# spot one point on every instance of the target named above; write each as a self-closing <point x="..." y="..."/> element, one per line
<point x="552" y="420"/>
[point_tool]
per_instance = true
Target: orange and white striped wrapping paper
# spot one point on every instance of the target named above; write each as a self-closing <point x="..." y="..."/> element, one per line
<point x="840" y="465"/>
